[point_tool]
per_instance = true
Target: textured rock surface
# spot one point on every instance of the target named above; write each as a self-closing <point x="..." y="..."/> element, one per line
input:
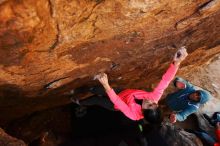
<point x="176" y="136"/>
<point x="7" y="140"/>
<point x="206" y="76"/>
<point x="53" y="125"/>
<point x="48" y="47"/>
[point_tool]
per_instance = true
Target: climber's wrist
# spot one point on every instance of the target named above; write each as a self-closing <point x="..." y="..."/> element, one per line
<point x="107" y="87"/>
<point x="176" y="63"/>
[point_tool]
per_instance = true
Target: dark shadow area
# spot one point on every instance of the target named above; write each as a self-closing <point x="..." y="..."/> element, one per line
<point x="94" y="126"/>
<point x="100" y="127"/>
<point x="63" y="127"/>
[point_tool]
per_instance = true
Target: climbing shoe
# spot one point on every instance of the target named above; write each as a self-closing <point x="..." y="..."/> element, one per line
<point x="80" y="111"/>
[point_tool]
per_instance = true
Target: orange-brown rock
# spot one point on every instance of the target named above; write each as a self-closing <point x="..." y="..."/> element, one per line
<point x="48" y="47"/>
<point x="7" y="140"/>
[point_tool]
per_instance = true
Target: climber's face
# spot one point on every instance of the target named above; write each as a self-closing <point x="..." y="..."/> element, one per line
<point x="195" y="96"/>
<point x="146" y="104"/>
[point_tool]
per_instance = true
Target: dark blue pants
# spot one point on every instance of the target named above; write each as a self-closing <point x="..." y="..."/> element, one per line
<point x="206" y="138"/>
<point x="100" y="98"/>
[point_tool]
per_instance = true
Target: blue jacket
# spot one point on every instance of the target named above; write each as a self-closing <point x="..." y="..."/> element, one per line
<point x="180" y="103"/>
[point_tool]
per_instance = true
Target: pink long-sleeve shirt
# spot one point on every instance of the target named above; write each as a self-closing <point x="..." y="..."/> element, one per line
<point x="125" y="100"/>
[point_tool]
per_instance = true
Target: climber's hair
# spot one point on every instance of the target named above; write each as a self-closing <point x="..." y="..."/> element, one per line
<point x="153" y="116"/>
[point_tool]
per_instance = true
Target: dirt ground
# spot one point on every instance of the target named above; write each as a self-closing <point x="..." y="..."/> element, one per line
<point x="207" y="77"/>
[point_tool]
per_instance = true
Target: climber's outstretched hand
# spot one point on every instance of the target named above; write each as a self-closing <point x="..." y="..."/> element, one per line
<point x="103" y="79"/>
<point x="180" y="55"/>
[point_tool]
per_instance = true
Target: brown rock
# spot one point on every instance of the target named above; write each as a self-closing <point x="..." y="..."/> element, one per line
<point x="176" y="136"/>
<point x="7" y="140"/>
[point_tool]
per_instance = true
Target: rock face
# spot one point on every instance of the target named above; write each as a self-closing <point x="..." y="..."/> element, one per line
<point x="207" y="77"/>
<point x="7" y="140"/>
<point x="176" y="136"/>
<point x="48" y="47"/>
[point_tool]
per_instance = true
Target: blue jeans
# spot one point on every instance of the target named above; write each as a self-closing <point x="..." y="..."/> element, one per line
<point x="100" y="98"/>
<point x="206" y="138"/>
